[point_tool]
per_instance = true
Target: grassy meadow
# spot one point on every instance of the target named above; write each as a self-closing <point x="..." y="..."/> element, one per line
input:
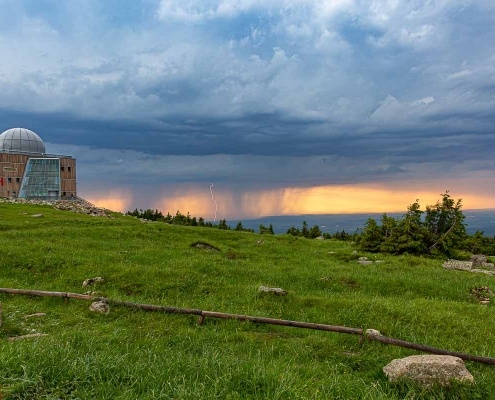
<point x="130" y="354"/>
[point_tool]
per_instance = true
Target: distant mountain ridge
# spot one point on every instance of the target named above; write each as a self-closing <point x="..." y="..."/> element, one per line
<point x="476" y="220"/>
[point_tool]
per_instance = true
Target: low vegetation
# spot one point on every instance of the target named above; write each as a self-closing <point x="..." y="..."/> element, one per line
<point x="131" y="354"/>
<point x="181" y="219"/>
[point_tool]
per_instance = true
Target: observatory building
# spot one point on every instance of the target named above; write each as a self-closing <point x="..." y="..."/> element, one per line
<point x="28" y="172"/>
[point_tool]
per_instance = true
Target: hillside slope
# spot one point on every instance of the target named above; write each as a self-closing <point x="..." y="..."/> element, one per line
<point x="130" y="354"/>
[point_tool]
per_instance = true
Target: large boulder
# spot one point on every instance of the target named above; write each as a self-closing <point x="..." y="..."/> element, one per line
<point x="478" y="259"/>
<point x="456" y="264"/>
<point x="428" y="370"/>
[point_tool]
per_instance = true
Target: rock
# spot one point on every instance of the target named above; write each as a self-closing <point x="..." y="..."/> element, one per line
<point x="205" y="246"/>
<point x="354" y="252"/>
<point x="476" y="264"/>
<point x="92" y="281"/>
<point x="261" y="241"/>
<point x="77" y="206"/>
<point x="482" y="293"/>
<point x="101" y="307"/>
<point x="481" y="261"/>
<point x="37" y="315"/>
<point x="483" y="271"/>
<point x="367" y="261"/>
<point x="490" y="266"/>
<point x="372" y="332"/>
<point x="320" y="238"/>
<point x="478" y="260"/>
<point x="37" y="215"/>
<point x="428" y="370"/>
<point x="277" y="291"/>
<point x="460" y="265"/>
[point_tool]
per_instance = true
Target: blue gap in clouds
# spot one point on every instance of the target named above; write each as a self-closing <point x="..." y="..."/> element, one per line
<point x="355" y="33"/>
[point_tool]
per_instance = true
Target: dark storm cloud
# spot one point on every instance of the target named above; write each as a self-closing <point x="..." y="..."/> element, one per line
<point x="301" y="91"/>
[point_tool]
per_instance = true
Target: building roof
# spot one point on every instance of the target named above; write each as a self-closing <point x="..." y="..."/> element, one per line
<point x="21" y="140"/>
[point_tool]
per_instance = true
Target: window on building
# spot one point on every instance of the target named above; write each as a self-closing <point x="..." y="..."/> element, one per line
<point x="9" y="180"/>
<point x="68" y="169"/>
<point x="62" y="168"/>
<point x="17" y="180"/>
<point x="41" y="179"/>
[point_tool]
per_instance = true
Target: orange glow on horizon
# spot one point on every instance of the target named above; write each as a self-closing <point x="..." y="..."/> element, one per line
<point x="113" y="200"/>
<point x="340" y="199"/>
<point x="327" y="199"/>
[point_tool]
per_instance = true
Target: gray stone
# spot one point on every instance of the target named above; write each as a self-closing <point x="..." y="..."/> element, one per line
<point x="483" y="271"/>
<point x="35" y="315"/>
<point x="428" y="370"/>
<point x="92" y="281"/>
<point x="478" y="260"/>
<point x="488" y="265"/>
<point x="100" y="307"/>
<point x="37" y="215"/>
<point x="372" y="332"/>
<point x="460" y="265"/>
<point x="276" y="290"/>
<point x="78" y="206"/>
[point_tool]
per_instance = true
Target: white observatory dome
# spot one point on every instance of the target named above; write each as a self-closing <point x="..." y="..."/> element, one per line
<point x="21" y="140"/>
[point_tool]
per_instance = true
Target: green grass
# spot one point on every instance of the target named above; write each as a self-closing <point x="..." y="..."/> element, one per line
<point x="131" y="354"/>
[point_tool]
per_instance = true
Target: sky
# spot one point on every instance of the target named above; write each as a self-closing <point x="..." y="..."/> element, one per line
<point x="284" y="106"/>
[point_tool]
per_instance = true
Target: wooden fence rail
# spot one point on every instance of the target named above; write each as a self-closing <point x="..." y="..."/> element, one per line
<point x="370" y="334"/>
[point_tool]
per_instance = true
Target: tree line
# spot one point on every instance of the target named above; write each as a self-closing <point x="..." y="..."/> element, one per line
<point x="438" y="229"/>
<point x="181" y="219"/>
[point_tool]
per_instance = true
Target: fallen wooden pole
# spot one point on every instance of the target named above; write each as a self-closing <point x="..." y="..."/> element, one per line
<point x="370" y="334"/>
<point x="284" y="322"/>
<point x="426" y="349"/>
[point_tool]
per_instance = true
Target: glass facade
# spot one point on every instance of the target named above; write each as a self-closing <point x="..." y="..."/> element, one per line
<point x="41" y="179"/>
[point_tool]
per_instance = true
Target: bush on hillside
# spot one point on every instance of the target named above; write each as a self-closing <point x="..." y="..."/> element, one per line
<point x="310" y="233"/>
<point x="479" y="244"/>
<point x="439" y="229"/>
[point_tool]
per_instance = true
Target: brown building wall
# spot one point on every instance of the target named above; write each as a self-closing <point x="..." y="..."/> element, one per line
<point x="68" y="187"/>
<point x="12" y="168"/>
<point x="11" y="172"/>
